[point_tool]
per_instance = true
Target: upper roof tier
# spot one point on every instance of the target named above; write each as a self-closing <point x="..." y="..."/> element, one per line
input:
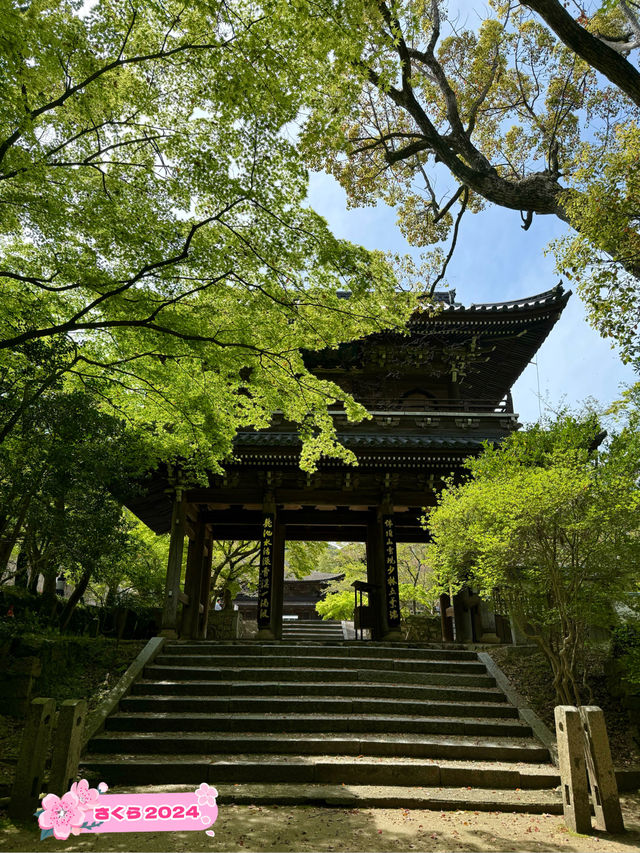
<point x="556" y="296"/>
<point x="456" y="355"/>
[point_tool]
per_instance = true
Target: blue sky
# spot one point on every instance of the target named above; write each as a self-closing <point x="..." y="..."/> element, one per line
<point x="495" y="259"/>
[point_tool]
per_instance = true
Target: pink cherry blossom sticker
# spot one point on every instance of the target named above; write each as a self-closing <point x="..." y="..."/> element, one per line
<point x="90" y="810"/>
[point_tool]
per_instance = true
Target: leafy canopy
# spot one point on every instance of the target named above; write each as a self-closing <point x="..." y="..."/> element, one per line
<point x="552" y="523"/>
<point x="438" y="111"/>
<point x="415" y="582"/>
<point x="156" y="247"/>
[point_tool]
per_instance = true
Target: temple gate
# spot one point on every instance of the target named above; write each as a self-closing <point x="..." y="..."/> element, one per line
<point x="434" y="396"/>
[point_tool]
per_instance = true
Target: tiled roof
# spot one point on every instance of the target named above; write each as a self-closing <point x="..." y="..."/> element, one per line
<point x="393" y="441"/>
<point x="554" y="297"/>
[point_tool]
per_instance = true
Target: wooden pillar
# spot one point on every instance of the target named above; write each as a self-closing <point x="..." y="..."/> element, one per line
<point x="29" y="774"/>
<point x="205" y="587"/>
<point x="446" y="620"/>
<point x="193" y="583"/>
<point x="460" y="620"/>
<point x="174" y="568"/>
<point x="67" y="745"/>
<point x="375" y="575"/>
<point x="488" y="623"/>
<point x="277" y="600"/>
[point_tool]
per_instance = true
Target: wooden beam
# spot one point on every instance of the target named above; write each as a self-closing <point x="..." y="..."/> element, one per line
<point x="318" y="497"/>
<point x="316" y="533"/>
<point x="306" y="517"/>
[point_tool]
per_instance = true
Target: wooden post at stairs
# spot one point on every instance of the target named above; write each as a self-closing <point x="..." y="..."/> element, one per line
<point x="602" y="777"/>
<point x="573" y="774"/>
<point x="193" y="583"/>
<point x="174" y="567"/>
<point x="205" y="587"/>
<point x="446" y="620"/>
<point x="375" y="579"/>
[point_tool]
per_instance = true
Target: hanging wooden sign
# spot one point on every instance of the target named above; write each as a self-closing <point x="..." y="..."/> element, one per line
<point x="266" y="570"/>
<point x="391" y="572"/>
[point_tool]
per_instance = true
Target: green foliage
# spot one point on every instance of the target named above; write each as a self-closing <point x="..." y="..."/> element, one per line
<point x="416" y="586"/>
<point x="439" y="113"/>
<point x="302" y="558"/>
<point x="235" y="566"/>
<point x="551" y="523"/>
<point x="337" y="605"/>
<point x="134" y="575"/>
<point x="156" y="246"/>
<point x="603" y="209"/>
<point x="625" y="645"/>
<point x="25" y="623"/>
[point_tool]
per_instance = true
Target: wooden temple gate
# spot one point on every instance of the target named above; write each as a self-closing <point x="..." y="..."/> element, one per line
<point x="434" y="396"/>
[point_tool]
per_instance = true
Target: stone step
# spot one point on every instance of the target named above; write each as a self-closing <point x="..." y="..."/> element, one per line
<point x="452" y="747"/>
<point x="326" y="723"/>
<point x="311" y="628"/>
<point x="277" y="662"/>
<point x="324" y="689"/>
<point x="386" y="797"/>
<point x="322" y="769"/>
<point x="250" y="648"/>
<point x="308" y="637"/>
<point x="301" y="630"/>
<point x="164" y="704"/>
<point x="300" y="674"/>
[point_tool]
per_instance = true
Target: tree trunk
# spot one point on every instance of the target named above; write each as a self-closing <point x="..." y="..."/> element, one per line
<point x="22" y="571"/>
<point x="110" y="598"/>
<point x="34" y="577"/>
<point x="49" y="600"/>
<point x="10" y="537"/>
<point x="74" y="598"/>
<point x="593" y="50"/>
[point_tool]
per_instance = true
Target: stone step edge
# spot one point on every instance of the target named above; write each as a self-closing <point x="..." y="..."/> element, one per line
<point x="381" y="675"/>
<point x="274" y="717"/>
<point x="343" y="704"/>
<point x="308" y="660"/>
<point x="341" y="685"/>
<point x="395" y="739"/>
<point x="540" y="777"/>
<point x="276" y="661"/>
<point x="309" y="649"/>
<point x="369" y="796"/>
<point x="400" y="644"/>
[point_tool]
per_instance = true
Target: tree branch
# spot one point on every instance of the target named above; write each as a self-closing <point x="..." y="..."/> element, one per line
<point x="589" y="47"/>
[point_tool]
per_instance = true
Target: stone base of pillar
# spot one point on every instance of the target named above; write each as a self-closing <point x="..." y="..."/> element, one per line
<point x="394" y="636"/>
<point x="169" y="633"/>
<point x="489" y="638"/>
<point x="265" y="634"/>
<point x="519" y="639"/>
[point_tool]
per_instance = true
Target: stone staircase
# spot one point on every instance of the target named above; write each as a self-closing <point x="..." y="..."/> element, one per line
<point x="331" y="722"/>
<point x="317" y="631"/>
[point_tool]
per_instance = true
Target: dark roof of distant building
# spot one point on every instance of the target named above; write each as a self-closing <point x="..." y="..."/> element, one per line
<point x="314" y="576"/>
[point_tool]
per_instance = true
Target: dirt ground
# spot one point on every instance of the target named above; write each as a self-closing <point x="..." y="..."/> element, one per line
<point x="307" y="828"/>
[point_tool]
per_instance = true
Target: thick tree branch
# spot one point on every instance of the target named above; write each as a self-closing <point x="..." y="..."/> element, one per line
<point x="592" y="49"/>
